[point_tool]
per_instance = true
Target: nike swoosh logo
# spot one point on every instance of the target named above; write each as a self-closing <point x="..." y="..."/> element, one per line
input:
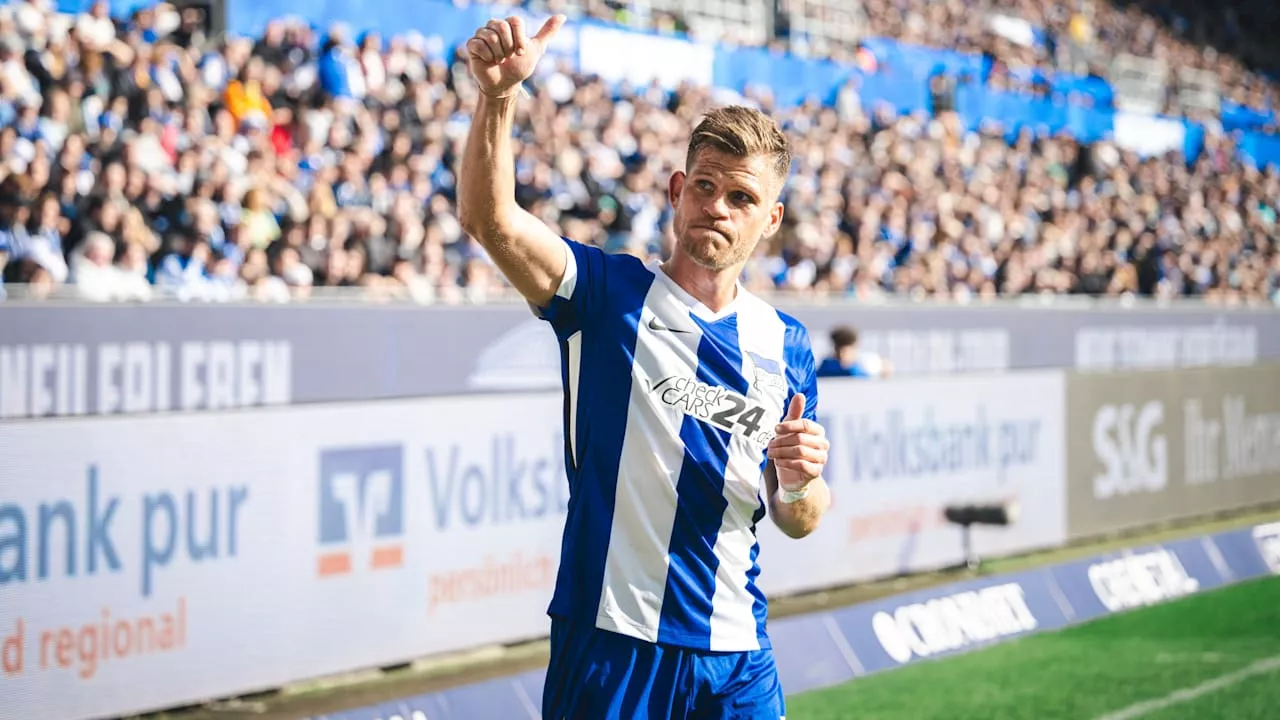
<point x="659" y="327"/>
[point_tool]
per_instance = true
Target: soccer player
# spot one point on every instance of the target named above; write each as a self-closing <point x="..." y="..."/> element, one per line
<point x="686" y="399"/>
<point x="849" y="360"/>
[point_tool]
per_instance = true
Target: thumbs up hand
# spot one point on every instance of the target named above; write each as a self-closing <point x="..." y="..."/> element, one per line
<point x="501" y="55"/>
<point x="799" y="448"/>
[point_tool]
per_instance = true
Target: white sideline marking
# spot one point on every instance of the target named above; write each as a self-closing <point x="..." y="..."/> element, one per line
<point x="526" y="701"/>
<point x="842" y="645"/>
<point x="1178" y="697"/>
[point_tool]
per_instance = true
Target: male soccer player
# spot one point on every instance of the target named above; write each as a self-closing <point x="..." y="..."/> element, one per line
<point x="684" y="394"/>
<point x="849" y="360"/>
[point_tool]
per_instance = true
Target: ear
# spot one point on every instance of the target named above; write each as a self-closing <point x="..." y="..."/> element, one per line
<point x="675" y="186"/>
<point x="775" y="219"/>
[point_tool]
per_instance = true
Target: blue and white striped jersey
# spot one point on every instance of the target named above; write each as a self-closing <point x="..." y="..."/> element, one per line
<point x="668" y="410"/>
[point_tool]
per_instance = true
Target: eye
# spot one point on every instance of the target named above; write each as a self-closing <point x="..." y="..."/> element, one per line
<point x="705" y="185"/>
<point x="741" y="198"/>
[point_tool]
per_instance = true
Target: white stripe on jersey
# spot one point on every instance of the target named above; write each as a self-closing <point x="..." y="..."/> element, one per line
<point x="574" y="350"/>
<point x="761" y="331"/>
<point x="635" y="575"/>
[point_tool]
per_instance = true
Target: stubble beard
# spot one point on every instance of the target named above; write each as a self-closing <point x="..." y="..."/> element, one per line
<point x="709" y="257"/>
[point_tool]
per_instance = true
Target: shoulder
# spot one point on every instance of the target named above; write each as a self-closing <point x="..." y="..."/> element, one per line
<point x="594" y="278"/>
<point x="796" y="336"/>
<point x="796" y="331"/>
<point x="831" y="366"/>
<point x="797" y="351"/>
<point x="591" y="255"/>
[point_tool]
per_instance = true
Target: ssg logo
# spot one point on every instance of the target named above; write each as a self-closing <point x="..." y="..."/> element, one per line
<point x="361" y="509"/>
<point x="1268" y="539"/>
<point x="1133" y="452"/>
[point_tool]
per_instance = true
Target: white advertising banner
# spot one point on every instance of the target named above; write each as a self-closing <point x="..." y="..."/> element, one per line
<point x="1148" y="135"/>
<point x="668" y="61"/>
<point x="150" y="562"/>
<point x="902" y="451"/>
<point x="147" y="562"/>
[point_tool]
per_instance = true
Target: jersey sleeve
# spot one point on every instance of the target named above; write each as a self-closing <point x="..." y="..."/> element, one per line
<point x="802" y="376"/>
<point x="579" y="292"/>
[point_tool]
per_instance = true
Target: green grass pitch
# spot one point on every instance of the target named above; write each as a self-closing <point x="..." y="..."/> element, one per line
<point x="1208" y="656"/>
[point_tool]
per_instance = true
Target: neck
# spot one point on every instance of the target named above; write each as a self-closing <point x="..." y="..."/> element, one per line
<point x="713" y="288"/>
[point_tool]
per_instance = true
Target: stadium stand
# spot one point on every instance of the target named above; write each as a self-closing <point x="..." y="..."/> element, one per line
<point x="142" y="158"/>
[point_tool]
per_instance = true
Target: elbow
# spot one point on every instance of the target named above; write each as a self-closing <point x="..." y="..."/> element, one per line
<point x="486" y="227"/>
<point x="476" y="226"/>
<point x="470" y="224"/>
<point x="467" y="218"/>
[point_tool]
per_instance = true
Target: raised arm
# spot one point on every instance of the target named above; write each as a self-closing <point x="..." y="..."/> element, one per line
<point x="527" y="252"/>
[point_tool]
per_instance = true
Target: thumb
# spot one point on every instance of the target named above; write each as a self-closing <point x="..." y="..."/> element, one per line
<point x="549" y="29"/>
<point x="796" y="409"/>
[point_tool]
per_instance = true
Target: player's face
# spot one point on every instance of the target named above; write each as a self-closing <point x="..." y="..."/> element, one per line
<point x="723" y="206"/>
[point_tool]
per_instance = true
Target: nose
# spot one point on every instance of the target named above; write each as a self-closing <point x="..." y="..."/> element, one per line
<point x="716" y="207"/>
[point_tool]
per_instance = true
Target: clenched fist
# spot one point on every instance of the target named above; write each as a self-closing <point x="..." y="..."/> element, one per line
<point x="501" y="55"/>
<point x="799" y="449"/>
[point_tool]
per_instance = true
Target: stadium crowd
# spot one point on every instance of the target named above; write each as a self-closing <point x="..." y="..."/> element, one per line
<point x="138" y="160"/>
<point x="1084" y="36"/>
<point x="1028" y="41"/>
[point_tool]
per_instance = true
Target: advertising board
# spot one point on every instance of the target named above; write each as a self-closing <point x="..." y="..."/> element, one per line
<point x="58" y="360"/>
<point x="826" y="648"/>
<point x="902" y="451"/>
<point x="154" y="561"/>
<point x="150" y="561"/>
<point x="1146" y="447"/>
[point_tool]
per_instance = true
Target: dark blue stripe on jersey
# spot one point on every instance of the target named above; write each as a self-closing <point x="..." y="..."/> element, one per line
<point x="700" y="501"/>
<point x="759" y="606"/>
<point x="606" y="306"/>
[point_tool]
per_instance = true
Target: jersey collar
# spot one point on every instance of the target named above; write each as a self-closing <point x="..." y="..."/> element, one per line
<point x="699" y="310"/>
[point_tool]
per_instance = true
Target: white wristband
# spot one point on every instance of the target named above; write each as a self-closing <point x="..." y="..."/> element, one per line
<point x="794" y="496"/>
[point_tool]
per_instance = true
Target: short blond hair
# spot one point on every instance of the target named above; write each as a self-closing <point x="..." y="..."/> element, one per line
<point x="743" y="132"/>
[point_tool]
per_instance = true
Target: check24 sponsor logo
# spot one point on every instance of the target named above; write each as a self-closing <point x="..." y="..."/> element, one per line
<point x="717" y="405"/>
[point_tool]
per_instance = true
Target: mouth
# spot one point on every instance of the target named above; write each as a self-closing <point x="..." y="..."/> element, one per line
<point x="715" y="231"/>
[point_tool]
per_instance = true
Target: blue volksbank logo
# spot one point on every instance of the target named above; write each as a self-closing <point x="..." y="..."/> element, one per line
<point x="361" y="509"/>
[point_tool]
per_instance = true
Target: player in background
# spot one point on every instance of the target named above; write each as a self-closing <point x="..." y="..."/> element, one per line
<point x="848" y="359"/>
<point x="689" y="409"/>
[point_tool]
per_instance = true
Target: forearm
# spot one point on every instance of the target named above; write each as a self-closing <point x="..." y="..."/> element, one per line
<point x="486" y="186"/>
<point x="799" y="518"/>
<point x="529" y="254"/>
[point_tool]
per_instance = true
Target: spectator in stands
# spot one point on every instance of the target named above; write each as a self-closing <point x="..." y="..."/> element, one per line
<point x="93" y="270"/>
<point x="244" y="97"/>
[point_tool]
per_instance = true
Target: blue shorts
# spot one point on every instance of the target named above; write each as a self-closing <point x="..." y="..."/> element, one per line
<point x="600" y="675"/>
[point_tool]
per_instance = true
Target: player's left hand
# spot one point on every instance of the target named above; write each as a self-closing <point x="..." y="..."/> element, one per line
<point x="799" y="448"/>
